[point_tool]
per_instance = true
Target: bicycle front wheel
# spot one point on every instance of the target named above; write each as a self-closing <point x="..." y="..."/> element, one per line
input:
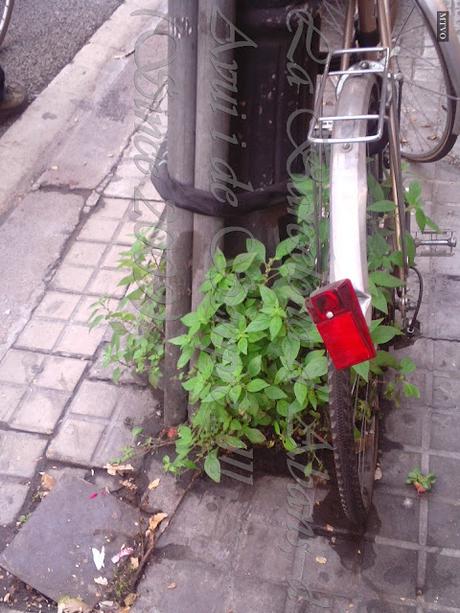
<point x="6" y="10"/>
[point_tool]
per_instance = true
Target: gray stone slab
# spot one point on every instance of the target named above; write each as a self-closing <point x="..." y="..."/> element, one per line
<point x="37" y="229"/>
<point x="19" y="453"/>
<point x="13" y="497"/>
<point x="52" y="551"/>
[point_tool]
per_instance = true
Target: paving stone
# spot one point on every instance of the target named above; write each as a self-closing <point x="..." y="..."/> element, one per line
<point x="447" y="471"/>
<point x="20" y="366"/>
<point x="388" y="570"/>
<point x="76" y="441"/>
<point x="86" y="308"/>
<point x="446" y="356"/>
<point x="445" y="432"/>
<point x="80" y="340"/>
<point x="61" y="373"/>
<point x="72" y="278"/>
<point x="19" y="453"/>
<point x="52" y="551"/>
<point x="395" y="464"/>
<point x="393" y="518"/>
<point x="112" y="259"/>
<point x="85" y="254"/>
<point x="40" y="334"/>
<point x="95" y="398"/>
<point x="446" y="392"/>
<point x="57" y="305"/>
<point x="13" y="497"/>
<point x="99" y="371"/>
<point x="404" y="426"/>
<point x="98" y="229"/>
<point x="40" y="411"/>
<point x="10" y="396"/>
<point x="106" y="283"/>
<point x="167" y="496"/>
<point x="421" y="352"/>
<point x="112" y="208"/>
<point x="248" y="594"/>
<point x="443" y="524"/>
<point x="441" y="585"/>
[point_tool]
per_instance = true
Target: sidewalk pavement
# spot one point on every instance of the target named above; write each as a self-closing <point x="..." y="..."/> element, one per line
<point x="257" y="542"/>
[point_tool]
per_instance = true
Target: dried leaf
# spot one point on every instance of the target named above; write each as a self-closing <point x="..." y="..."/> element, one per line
<point x="129" y="484"/>
<point x="130" y="599"/>
<point x="125" y="551"/>
<point x="329" y="528"/>
<point x="172" y="586"/>
<point x="134" y="563"/>
<point x="156" y="520"/>
<point x="115" y="469"/>
<point x="48" y="482"/>
<point x="72" y="605"/>
<point x="321" y="559"/>
<point x="98" y="557"/>
<point x="101" y="580"/>
<point x="378" y="474"/>
<point x="154" y="484"/>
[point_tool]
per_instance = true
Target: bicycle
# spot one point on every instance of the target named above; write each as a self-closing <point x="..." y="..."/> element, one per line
<point x="364" y="139"/>
<point x="6" y="10"/>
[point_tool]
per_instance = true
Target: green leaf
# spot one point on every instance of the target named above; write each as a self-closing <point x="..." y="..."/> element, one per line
<point x="407" y="366"/>
<point x="382" y="206"/>
<point x="410" y="390"/>
<point x="286" y="247"/>
<point x="212" y="466"/>
<point x="384" y="279"/>
<point x="274" y="392"/>
<point x="185" y="356"/>
<point x="256" y="385"/>
<point x="243" y="261"/>
<point x="219" y="260"/>
<point x="379" y="300"/>
<point x="254" y="436"/>
<point x="234" y="393"/>
<point x="290" y="347"/>
<point x="243" y="345"/>
<point x="185" y="433"/>
<point x="362" y="370"/>
<point x="308" y="469"/>
<point x="269" y="298"/>
<point x="261" y="322"/>
<point x="300" y="391"/>
<point x="420" y="218"/>
<point x="256" y="247"/>
<point x="316" y="368"/>
<point x="205" y="364"/>
<point x="384" y="334"/>
<point x="137" y="431"/>
<point x="275" y="326"/>
<point x="179" y="340"/>
<point x="231" y="442"/>
<point x="254" y="366"/>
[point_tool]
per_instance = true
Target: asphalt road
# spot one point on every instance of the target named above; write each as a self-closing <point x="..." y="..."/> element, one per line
<point x="45" y="35"/>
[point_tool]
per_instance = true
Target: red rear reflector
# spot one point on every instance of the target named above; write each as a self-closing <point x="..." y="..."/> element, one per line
<point x="337" y="314"/>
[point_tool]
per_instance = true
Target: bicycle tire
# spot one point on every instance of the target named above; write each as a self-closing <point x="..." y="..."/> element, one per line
<point x="6" y="10"/>
<point x="354" y="488"/>
<point x="436" y="145"/>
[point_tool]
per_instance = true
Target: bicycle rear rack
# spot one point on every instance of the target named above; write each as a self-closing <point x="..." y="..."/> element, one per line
<point x="323" y="124"/>
<point x="438" y="244"/>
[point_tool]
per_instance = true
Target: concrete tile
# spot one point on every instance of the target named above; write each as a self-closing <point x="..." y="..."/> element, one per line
<point x="392" y="518"/>
<point x="11" y="501"/>
<point x="443" y="524"/>
<point x="112" y="208"/>
<point x="20" y="366"/>
<point x="61" y="373"/>
<point x="404" y="426"/>
<point x="106" y="283"/>
<point x="446" y="356"/>
<point x="57" y="305"/>
<point x="86" y="308"/>
<point x="445" y="432"/>
<point x="61" y="532"/>
<point x="390" y="570"/>
<point x="395" y="465"/>
<point x="446" y="392"/>
<point x="71" y="278"/>
<point x="40" y="334"/>
<point x="40" y="411"/>
<point x="98" y="229"/>
<point x="19" y="453"/>
<point x="80" y="340"/>
<point x="112" y="259"/>
<point x="95" y="398"/>
<point x="76" y="441"/>
<point x="84" y="254"/>
<point x="441" y="586"/>
<point x="10" y="395"/>
<point x="447" y="471"/>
